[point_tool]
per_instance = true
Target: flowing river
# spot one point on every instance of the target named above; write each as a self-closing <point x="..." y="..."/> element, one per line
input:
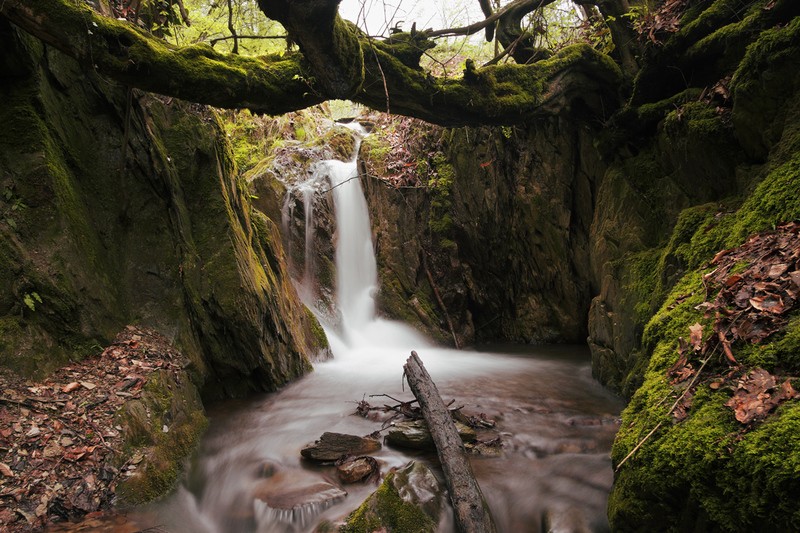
<point x="556" y="423"/>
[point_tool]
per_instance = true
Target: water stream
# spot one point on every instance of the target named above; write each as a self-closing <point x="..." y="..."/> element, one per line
<point x="555" y="421"/>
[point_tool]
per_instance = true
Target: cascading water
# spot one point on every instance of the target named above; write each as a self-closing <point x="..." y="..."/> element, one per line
<point x="555" y="422"/>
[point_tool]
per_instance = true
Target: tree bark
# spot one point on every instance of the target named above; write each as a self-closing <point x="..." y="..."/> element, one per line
<point x="471" y="513"/>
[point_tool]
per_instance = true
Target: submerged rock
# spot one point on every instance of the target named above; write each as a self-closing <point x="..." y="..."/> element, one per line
<point x="409" y="500"/>
<point x="358" y="469"/>
<point x="292" y="496"/>
<point x="415" y="434"/>
<point x="333" y="446"/>
<point x="570" y="520"/>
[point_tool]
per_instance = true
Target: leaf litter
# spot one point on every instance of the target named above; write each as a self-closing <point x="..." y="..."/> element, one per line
<point x="61" y="447"/>
<point x="748" y="296"/>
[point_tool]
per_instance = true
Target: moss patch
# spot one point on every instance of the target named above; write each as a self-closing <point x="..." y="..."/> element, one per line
<point x="386" y="509"/>
<point x="163" y="427"/>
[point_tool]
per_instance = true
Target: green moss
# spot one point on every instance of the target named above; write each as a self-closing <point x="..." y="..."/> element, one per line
<point x="704" y="472"/>
<point x="166" y="401"/>
<point x="375" y="151"/>
<point x="385" y="509"/>
<point x="321" y="340"/>
<point x="440" y="186"/>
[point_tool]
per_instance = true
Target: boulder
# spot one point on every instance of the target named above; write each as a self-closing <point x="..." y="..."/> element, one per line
<point x="409" y="500"/>
<point x="333" y="446"/>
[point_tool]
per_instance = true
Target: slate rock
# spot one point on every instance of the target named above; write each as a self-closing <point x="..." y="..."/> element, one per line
<point x="415" y="434"/>
<point x="333" y="446"/>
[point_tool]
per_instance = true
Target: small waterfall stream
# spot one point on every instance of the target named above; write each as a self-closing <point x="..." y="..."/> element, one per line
<point x="556" y="423"/>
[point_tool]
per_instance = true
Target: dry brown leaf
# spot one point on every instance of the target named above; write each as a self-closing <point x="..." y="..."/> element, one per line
<point x="720" y="255"/>
<point x="726" y="348"/>
<point x="696" y="336"/>
<point x="733" y="280"/>
<point x="771" y="303"/>
<point x="70" y="387"/>
<point x="6" y="470"/>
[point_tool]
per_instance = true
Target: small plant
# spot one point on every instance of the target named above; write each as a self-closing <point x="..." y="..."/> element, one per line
<point x="14" y="205"/>
<point x="30" y="299"/>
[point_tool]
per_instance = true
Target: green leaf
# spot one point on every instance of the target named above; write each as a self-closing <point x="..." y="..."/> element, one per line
<point x="29" y="302"/>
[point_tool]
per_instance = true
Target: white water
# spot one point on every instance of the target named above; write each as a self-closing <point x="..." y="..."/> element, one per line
<point x="557" y="424"/>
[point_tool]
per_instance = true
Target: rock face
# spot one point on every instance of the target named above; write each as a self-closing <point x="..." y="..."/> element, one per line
<point x="123" y="207"/>
<point x="501" y="221"/>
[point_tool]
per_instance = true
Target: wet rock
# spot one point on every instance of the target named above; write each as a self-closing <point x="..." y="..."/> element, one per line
<point x="358" y="469"/>
<point x="415" y="434"/>
<point x="333" y="446"/>
<point x="570" y="520"/>
<point x="319" y="494"/>
<point x="409" y="499"/>
<point x="492" y="448"/>
<point x="416" y="485"/>
<point x="292" y="496"/>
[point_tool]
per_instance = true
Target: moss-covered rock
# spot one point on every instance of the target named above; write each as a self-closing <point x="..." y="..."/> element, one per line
<point x="408" y="500"/>
<point x="119" y="207"/>
<point x="161" y="429"/>
<point x="708" y="472"/>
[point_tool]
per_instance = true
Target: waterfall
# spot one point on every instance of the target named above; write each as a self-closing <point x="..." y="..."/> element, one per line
<point x="549" y="467"/>
<point x="358" y="327"/>
<point x="356" y="273"/>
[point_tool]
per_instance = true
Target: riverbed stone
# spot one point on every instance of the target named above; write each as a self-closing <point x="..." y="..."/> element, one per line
<point x="333" y="446"/>
<point x="295" y="492"/>
<point x="409" y="500"/>
<point x="415" y="434"/>
<point x="569" y="520"/>
<point x="357" y="469"/>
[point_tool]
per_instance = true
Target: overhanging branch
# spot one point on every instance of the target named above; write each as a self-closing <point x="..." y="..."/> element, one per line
<point x="497" y="94"/>
<point x="272" y="85"/>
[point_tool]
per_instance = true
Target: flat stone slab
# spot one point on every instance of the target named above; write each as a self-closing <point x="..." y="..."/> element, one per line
<point x="415" y="434"/>
<point x="292" y="496"/>
<point x="333" y="446"/>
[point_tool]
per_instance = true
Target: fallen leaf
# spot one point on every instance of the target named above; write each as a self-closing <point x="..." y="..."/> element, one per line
<point x="754" y="397"/>
<point x="733" y="280"/>
<point x="720" y="255"/>
<point x="726" y="348"/>
<point x="70" y="387"/>
<point x="771" y="303"/>
<point x="696" y="336"/>
<point x="777" y="270"/>
<point x="88" y="385"/>
<point x="6" y="470"/>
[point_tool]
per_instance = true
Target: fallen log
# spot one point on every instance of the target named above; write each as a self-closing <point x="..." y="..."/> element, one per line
<point x="471" y="513"/>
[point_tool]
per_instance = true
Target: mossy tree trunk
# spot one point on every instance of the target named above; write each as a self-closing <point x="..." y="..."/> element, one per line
<point x="337" y="61"/>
